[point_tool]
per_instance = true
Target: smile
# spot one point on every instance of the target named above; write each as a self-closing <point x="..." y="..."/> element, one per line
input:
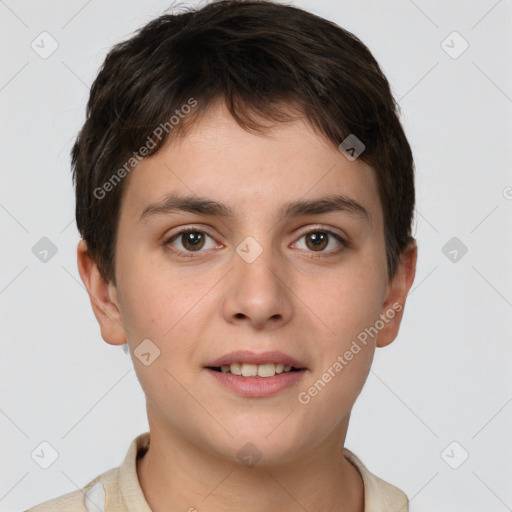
<point x="255" y="370"/>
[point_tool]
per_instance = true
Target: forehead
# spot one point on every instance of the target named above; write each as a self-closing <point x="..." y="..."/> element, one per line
<point x="252" y="173"/>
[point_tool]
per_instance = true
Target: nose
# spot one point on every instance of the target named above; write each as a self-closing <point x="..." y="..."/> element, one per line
<point x="257" y="294"/>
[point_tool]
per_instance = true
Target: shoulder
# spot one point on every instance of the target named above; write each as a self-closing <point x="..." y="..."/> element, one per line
<point x="380" y="496"/>
<point x="108" y="490"/>
<point x="88" y="498"/>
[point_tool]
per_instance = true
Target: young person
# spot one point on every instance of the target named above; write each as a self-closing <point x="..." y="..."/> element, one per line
<point x="244" y="193"/>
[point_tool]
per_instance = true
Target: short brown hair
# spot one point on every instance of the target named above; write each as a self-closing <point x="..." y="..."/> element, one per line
<point x="259" y="57"/>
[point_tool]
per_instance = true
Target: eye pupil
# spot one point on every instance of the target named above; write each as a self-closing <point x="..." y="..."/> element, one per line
<point x="195" y="239"/>
<point x="318" y="239"/>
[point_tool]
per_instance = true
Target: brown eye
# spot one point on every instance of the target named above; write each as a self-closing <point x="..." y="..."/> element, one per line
<point x="190" y="241"/>
<point x="318" y="240"/>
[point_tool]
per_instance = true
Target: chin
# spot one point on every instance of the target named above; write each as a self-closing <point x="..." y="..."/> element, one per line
<point x="264" y="444"/>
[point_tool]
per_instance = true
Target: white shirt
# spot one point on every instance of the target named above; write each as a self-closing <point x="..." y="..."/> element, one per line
<point x="118" y="490"/>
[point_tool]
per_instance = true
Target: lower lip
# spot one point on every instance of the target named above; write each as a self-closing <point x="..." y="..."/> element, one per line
<point x="258" y="386"/>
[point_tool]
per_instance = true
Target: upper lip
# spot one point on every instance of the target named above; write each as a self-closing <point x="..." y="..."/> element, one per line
<point x="245" y="356"/>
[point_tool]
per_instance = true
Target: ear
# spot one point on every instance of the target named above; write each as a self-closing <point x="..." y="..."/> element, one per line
<point x="103" y="297"/>
<point x="396" y="294"/>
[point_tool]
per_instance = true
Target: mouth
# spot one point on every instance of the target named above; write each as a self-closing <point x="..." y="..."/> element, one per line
<point x="256" y="375"/>
<point x="262" y="371"/>
<point x="250" y="364"/>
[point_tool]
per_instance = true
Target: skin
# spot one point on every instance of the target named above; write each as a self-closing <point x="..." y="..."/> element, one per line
<point x="199" y="308"/>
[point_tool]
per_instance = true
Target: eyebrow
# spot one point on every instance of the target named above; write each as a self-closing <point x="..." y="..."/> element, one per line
<point x="203" y="206"/>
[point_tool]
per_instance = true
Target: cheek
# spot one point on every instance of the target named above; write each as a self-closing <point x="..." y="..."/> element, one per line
<point x="154" y="296"/>
<point x="160" y="307"/>
<point x="169" y="306"/>
<point x="351" y="305"/>
<point x="347" y="302"/>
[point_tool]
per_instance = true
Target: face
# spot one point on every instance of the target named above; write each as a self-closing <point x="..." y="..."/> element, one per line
<point x="290" y="285"/>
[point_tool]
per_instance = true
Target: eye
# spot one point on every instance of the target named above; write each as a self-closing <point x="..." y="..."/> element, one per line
<point x="191" y="240"/>
<point x="317" y="240"/>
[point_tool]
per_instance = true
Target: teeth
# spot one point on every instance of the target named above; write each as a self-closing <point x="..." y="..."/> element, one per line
<point x="249" y="370"/>
<point x="266" y="370"/>
<point x="235" y="368"/>
<point x="255" y="370"/>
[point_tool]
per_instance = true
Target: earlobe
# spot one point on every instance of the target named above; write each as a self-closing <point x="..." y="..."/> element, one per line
<point x="103" y="297"/>
<point x="396" y="295"/>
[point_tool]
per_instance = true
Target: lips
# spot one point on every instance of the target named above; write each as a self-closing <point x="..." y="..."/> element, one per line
<point x="246" y="357"/>
<point x="254" y="375"/>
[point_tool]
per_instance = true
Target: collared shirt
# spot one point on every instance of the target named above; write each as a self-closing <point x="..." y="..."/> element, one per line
<point x="118" y="490"/>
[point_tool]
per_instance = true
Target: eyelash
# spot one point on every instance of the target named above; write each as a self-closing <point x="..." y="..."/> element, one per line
<point x="320" y="254"/>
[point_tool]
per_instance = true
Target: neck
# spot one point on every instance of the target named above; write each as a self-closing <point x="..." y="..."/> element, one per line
<point x="176" y="474"/>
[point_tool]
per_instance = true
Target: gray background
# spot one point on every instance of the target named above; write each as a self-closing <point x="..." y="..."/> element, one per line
<point x="447" y="376"/>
